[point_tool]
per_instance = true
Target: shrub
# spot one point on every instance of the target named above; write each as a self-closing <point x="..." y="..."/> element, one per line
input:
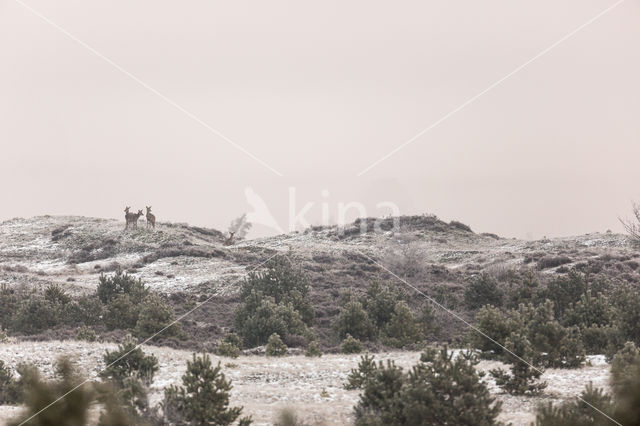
<point x="379" y="303"/>
<point x="627" y="359"/>
<point x="36" y="314"/>
<point x="275" y="346"/>
<point x="10" y="392"/>
<point x="121" y="312"/>
<point x="288" y="417"/>
<point x="120" y="283"/>
<point x="483" y="291"/>
<point x="627" y="304"/>
<point x="227" y="349"/>
<point x="129" y="361"/>
<point x="56" y="295"/>
<point x="260" y="316"/>
<point x="282" y="282"/>
<point x="459" y="225"/>
<point x="577" y="412"/>
<point x="156" y="316"/>
<point x="350" y="345"/>
<point x="565" y="291"/>
<point x="86" y="333"/>
<point x="358" y="377"/>
<point x="495" y="324"/>
<point x="313" y="350"/>
<point x="203" y="397"/>
<point x="9" y="303"/>
<point x="353" y="320"/>
<point x="85" y="310"/>
<point x="552" y="261"/>
<point x="556" y="345"/>
<point x="523" y="377"/>
<point x="440" y="389"/>
<point x="72" y="408"/>
<point x="402" y="328"/>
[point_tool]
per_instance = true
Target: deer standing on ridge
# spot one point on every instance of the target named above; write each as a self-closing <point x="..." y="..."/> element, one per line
<point x="151" y="218"/>
<point x="131" y="218"/>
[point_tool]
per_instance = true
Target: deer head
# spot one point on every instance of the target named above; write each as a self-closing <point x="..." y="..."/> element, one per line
<point x="148" y="209"/>
<point x="126" y="209"/>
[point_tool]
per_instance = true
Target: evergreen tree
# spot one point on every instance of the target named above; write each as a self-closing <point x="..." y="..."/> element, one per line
<point x="203" y="398"/>
<point x="523" y="377"/>
<point x="402" y="328"/>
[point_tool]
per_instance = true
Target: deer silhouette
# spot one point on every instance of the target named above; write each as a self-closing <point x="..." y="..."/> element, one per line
<point x="229" y="241"/>
<point x="151" y="218"/>
<point x="131" y="218"/>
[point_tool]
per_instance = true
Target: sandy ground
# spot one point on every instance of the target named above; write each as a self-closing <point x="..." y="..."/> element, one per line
<point x="266" y="385"/>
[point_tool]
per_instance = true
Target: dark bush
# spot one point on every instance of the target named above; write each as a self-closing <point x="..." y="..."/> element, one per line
<point x="553" y="261"/>
<point x="129" y="361"/>
<point x="121" y="313"/>
<point x="282" y="282"/>
<point x="156" y="316"/>
<point x="440" y="389"/>
<point x="313" y="349"/>
<point x="203" y="397"/>
<point x="523" y="377"/>
<point x="379" y="303"/>
<point x="86" y="310"/>
<point x="483" y="291"/>
<point x="36" y="314"/>
<point x="402" y="329"/>
<point x="10" y="392"/>
<point x="120" y="283"/>
<point x="260" y="316"/>
<point x="353" y="320"/>
<point x="358" y="377"/>
<point x="350" y="345"/>
<point x="275" y="346"/>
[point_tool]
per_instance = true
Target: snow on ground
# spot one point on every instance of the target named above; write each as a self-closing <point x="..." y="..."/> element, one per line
<point x="265" y="385"/>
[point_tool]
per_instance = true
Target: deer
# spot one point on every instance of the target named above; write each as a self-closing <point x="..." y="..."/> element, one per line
<point x="229" y="241"/>
<point x="131" y="218"/>
<point x="151" y="218"/>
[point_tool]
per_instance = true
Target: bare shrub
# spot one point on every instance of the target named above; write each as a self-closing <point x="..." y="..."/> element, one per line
<point x="632" y="226"/>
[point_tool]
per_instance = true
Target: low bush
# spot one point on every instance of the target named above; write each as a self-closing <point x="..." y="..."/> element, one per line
<point x="402" y="329"/>
<point x="483" y="291"/>
<point x="313" y="350"/>
<point x="87" y="334"/>
<point x="353" y="320"/>
<point x="36" y="314"/>
<point x="440" y="389"/>
<point x="156" y="316"/>
<point x="203" y="397"/>
<point x="523" y="376"/>
<point x="350" y="345"/>
<point x="260" y="316"/>
<point x="275" y="346"/>
<point x="10" y="392"/>
<point x="129" y="361"/>
<point x="120" y="283"/>
<point x="358" y="377"/>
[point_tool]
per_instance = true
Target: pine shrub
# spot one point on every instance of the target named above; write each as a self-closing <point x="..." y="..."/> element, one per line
<point x="129" y="361"/>
<point x="402" y="328"/>
<point x="523" y="377"/>
<point x="86" y="333"/>
<point x="483" y="291"/>
<point x="440" y="389"/>
<point x="10" y="392"/>
<point x="260" y="316"/>
<point x="203" y="397"/>
<point x="156" y="316"/>
<point x="275" y="346"/>
<point x="350" y="345"/>
<point x="109" y="287"/>
<point x="353" y="320"/>
<point x="313" y="349"/>
<point x="284" y="283"/>
<point x="358" y="377"/>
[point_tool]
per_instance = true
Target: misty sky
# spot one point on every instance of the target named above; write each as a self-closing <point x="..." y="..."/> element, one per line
<point x="319" y="91"/>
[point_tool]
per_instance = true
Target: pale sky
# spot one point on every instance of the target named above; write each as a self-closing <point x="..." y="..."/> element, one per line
<point x="319" y="91"/>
